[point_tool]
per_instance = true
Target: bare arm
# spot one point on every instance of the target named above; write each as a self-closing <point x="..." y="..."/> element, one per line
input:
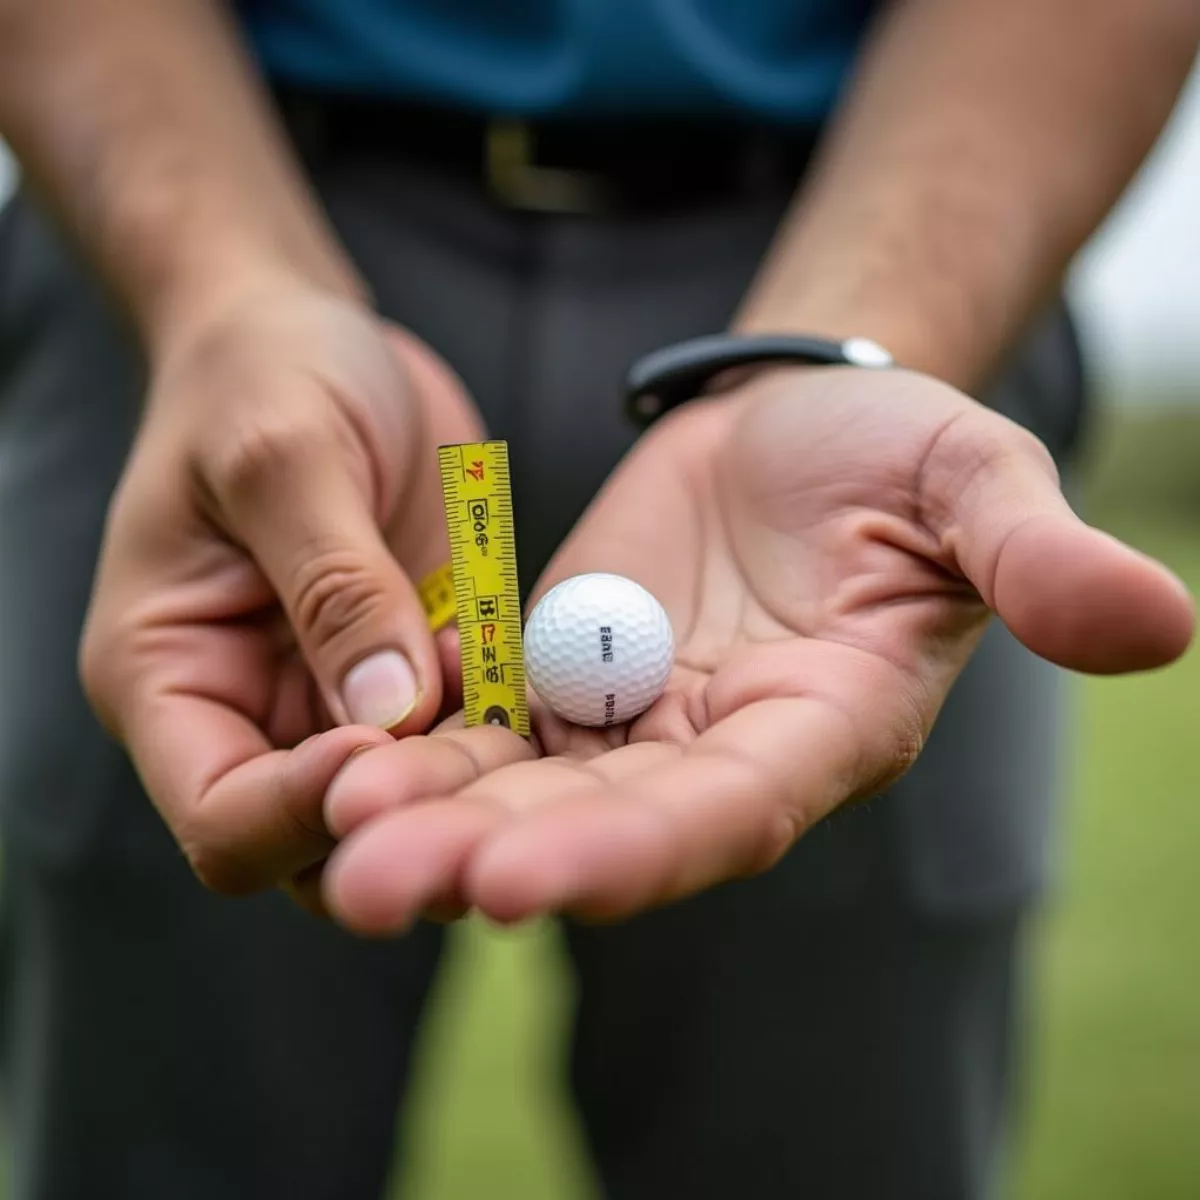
<point x="144" y="124"/>
<point x="829" y="545"/>
<point x="981" y="144"/>
<point x="285" y="454"/>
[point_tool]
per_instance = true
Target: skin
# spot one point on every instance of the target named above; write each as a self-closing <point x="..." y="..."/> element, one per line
<point x="829" y="545"/>
<point x="277" y="503"/>
<point x="822" y="615"/>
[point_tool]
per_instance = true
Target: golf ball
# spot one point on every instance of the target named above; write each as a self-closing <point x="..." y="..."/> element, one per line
<point x="598" y="649"/>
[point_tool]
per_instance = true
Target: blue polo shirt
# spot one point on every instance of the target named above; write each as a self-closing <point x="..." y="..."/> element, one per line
<point x="774" y="60"/>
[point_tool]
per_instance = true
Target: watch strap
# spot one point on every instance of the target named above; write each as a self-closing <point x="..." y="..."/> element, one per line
<point x="665" y="378"/>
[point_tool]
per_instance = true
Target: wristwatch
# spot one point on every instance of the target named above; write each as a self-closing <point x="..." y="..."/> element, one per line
<point x="666" y="378"/>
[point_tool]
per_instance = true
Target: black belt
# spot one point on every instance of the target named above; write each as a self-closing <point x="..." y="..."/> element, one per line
<point x="583" y="167"/>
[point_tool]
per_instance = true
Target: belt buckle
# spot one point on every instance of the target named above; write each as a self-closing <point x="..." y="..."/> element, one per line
<point x="516" y="179"/>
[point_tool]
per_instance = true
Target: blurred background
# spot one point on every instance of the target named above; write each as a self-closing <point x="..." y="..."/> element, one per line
<point x="1112" y="1082"/>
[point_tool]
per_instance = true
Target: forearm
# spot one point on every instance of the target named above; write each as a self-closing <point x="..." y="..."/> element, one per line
<point x="143" y="123"/>
<point x="982" y="143"/>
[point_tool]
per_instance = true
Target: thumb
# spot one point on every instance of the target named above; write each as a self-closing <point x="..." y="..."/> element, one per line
<point x="1070" y="593"/>
<point x="297" y="506"/>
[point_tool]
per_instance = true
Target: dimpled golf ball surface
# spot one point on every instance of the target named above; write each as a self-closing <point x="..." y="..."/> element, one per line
<point x="598" y="649"/>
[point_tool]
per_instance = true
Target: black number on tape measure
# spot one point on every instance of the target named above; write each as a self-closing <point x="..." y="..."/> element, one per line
<point x="477" y="510"/>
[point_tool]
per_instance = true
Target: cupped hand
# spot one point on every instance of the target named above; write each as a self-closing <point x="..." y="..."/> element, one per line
<point x="254" y="620"/>
<point x="829" y="546"/>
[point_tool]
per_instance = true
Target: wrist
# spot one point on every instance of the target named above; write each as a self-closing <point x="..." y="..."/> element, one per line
<point x="914" y="341"/>
<point x="234" y="279"/>
<point x="936" y="322"/>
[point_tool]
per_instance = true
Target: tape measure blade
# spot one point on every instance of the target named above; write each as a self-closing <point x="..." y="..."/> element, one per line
<point x="476" y="492"/>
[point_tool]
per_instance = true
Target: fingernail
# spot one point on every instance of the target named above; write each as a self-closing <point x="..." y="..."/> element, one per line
<point x="380" y="690"/>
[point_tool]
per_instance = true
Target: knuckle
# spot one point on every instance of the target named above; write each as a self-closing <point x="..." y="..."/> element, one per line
<point x="881" y="748"/>
<point x="91" y="664"/>
<point x="258" y="456"/>
<point x="333" y="592"/>
<point x="966" y="450"/>
<point x="778" y="834"/>
<point x="95" y="657"/>
<point x="213" y="865"/>
<point x="907" y="743"/>
<point x="900" y="742"/>
<point x="1033" y="449"/>
<point x="1005" y="441"/>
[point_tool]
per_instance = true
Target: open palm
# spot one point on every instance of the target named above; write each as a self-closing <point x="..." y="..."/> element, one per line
<point x="829" y="546"/>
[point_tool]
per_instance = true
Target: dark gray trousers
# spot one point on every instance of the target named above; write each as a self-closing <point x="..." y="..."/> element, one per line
<point x="843" y="1026"/>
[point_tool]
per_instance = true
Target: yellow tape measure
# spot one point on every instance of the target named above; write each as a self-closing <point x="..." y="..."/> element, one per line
<point x="437" y="597"/>
<point x="477" y="493"/>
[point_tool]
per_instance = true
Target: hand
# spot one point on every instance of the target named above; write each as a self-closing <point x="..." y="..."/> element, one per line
<point x="253" y="623"/>
<point x="829" y="546"/>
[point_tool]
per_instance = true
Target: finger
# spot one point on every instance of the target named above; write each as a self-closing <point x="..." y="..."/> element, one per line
<point x="410" y="860"/>
<point x="407" y="859"/>
<point x="1072" y="594"/>
<point x="304" y="889"/>
<point x="417" y="768"/>
<point x="304" y="513"/>
<point x="728" y="806"/>
<point x="381" y="878"/>
<point x="449" y="650"/>
<point x="247" y="817"/>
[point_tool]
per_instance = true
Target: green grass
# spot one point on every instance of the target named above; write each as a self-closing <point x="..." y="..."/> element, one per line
<point x="1112" y="1094"/>
<point x="486" y="1118"/>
